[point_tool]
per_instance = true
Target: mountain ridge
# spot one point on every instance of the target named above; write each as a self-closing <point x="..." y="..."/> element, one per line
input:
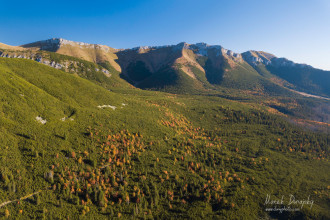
<point x="205" y="65"/>
<point x="48" y="43"/>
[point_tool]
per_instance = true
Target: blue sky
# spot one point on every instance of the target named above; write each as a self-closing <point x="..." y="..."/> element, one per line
<point x="296" y="29"/>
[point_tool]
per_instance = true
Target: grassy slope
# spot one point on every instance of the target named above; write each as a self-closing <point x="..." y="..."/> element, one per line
<point x="171" y="80"/>
<point x="240" y="134"/>
<point x="82" y="67"/>
<point x="310" y="80"/>
<point x="91" y="54"/>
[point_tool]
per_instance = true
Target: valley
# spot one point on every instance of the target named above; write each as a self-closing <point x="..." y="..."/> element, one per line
<point x="184" y="131"/>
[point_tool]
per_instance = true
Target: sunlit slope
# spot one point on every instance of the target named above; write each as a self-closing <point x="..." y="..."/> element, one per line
<point x="65" y="87"/>
<point x="102" y="74"/>
<point x="91" y="52"/>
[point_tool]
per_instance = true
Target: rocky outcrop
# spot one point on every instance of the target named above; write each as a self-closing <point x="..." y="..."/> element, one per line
<point x="67" y="65"/>
<point x="256" y="57"/>
<point x="56" y="43"/>
<point x="259" y="57"/>
<point x="35" y="57"/>
<point x="288" y="63"/>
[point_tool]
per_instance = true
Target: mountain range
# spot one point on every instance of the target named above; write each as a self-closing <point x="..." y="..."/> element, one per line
<point x="186" y="131"/>
<point x="184" y="67"/>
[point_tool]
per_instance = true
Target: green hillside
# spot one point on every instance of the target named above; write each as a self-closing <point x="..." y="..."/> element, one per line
<point x="80" y="67"/>
<point x="172" y="80"/>
<point x="93" y="153"/>
<point x="244" y="77"/>
<point x="305" y="79"/>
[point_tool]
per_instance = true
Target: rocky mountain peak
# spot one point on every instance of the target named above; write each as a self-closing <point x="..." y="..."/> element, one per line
<point x="256" y="57"/>
<point x="54" y="44"/>
<point x="259" y="57"/>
